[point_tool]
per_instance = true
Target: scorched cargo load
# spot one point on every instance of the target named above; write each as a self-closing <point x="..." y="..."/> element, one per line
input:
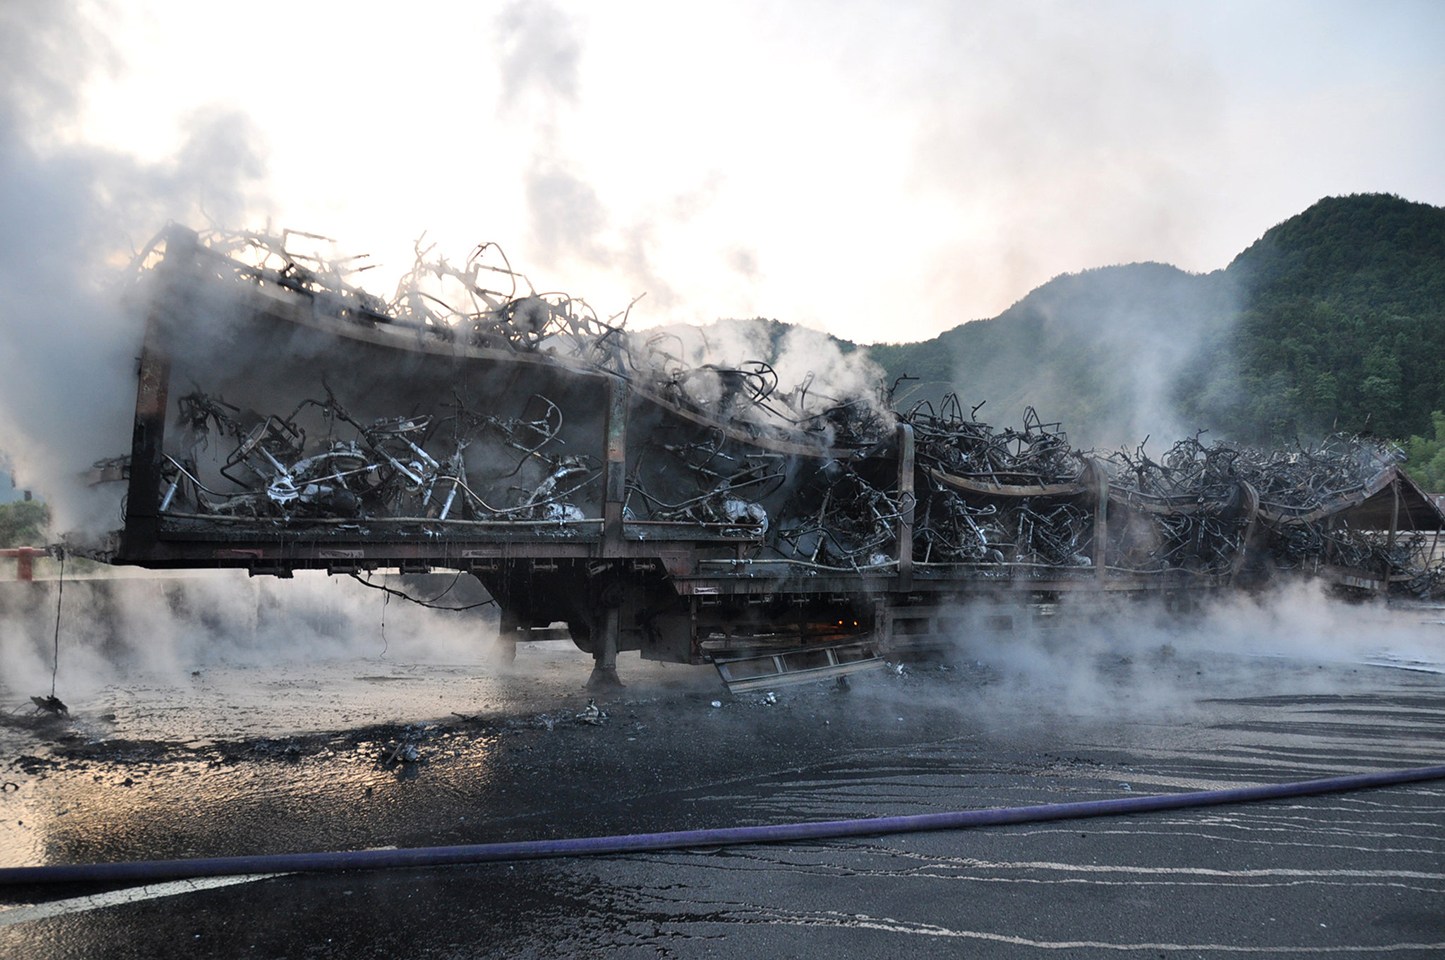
<point x="697" y="512"/>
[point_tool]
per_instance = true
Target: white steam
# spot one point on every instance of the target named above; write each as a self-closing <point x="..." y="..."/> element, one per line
<point x="813" y="371"/>
<point x="572" y="225"/>
<point x="1131" y="339"/>
<point x="70" y="217"/>
<point x="160" y="628"/>
<point x="1136" y="661"/>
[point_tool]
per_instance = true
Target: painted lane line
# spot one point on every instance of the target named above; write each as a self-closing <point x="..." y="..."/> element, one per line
<point x="25" y="913"/>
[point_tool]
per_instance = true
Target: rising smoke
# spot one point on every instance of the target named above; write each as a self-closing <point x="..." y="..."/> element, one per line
<point x="71" y="215"/>
<point x="570" y="224"/>
<point x="165" y="626"/>
<point x="810" y="366"/>
<point x="1137" y="661"/>
<point x="1105" y="351"/>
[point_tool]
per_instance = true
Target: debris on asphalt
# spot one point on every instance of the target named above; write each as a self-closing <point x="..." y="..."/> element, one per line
<point x="591" y="714"/>
<point x="406" y="750"/>
<point x="51" y="704"/>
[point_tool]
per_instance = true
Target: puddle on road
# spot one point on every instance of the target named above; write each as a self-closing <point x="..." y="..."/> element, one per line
<point x="311" y="754"/>
<point x="226" y="702"/>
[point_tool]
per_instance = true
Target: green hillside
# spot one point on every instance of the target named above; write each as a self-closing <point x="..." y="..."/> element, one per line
<point x="1344" y="321"/>
<point x="1334" y="319"/>
<point x="1098" y="350"/>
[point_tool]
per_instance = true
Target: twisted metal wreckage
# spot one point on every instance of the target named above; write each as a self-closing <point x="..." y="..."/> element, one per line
<point x="286" y="419"/>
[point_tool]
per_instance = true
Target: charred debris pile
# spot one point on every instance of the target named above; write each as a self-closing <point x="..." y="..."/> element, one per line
<point x="804" y="475"/>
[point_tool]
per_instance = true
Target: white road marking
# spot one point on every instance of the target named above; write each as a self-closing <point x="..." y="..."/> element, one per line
<point x="24" y="913"/>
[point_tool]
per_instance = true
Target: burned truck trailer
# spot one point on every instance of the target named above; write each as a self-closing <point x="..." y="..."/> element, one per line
<point x="696" y="512"/>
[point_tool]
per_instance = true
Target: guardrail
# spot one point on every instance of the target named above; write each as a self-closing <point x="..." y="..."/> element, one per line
<point x="24" y="560"/>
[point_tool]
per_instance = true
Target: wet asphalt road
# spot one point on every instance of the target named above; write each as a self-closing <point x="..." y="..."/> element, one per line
<point x="1362" y="873"/>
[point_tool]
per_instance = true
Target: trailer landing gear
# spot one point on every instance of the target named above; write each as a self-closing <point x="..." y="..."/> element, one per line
<point x="604" y="650"/>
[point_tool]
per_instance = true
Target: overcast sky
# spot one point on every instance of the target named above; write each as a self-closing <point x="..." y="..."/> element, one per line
<point x="882" y="170"/>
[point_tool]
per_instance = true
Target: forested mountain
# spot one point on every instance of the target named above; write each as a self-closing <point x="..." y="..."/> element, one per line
<point x="1102" y="351"/>
<point x="1343" y="320"/>
<point x="1334" y="319"/>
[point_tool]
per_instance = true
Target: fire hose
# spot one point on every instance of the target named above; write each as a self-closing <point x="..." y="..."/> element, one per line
<point x="159" y="870"/>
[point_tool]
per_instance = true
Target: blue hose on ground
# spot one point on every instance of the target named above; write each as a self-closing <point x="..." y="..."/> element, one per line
<point x="157" y="870"/>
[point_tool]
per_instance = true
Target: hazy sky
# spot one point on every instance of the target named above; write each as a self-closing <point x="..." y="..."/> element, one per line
<point x="881" y="170"/>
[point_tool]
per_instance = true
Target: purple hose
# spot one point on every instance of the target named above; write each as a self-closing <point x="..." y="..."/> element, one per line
<point x="152" y="870"/>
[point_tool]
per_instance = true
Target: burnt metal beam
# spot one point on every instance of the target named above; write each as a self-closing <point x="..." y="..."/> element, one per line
<point x="1100" y="479"/>
<point x="615" y="468"/>
<point x="1390" y="541"/>
<point x="906" y="503"/>
<point x="142" y="509"/>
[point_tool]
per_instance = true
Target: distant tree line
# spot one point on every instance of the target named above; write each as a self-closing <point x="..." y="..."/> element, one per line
<point x="1343" y="324"/>
<point x="24" y="523"/>
<point x="1333" y="320"/>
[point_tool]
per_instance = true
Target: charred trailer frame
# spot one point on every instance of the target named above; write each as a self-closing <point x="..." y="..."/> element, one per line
<point x="285" y="421"/>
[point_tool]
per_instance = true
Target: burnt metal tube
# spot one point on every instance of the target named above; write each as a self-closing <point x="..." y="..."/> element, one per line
<point x="157" y="870"/>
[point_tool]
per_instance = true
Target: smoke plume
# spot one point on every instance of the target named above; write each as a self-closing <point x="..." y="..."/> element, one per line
<point x="167" y="625"/>
<point x="71" y="215"/>
<point x="1135" y="661"/>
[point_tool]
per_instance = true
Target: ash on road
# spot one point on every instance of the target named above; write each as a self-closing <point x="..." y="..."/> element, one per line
<point x="358" y="752"/>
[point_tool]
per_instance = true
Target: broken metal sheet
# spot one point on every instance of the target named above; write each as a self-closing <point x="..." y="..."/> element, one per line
<point x="796" y="665"/>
